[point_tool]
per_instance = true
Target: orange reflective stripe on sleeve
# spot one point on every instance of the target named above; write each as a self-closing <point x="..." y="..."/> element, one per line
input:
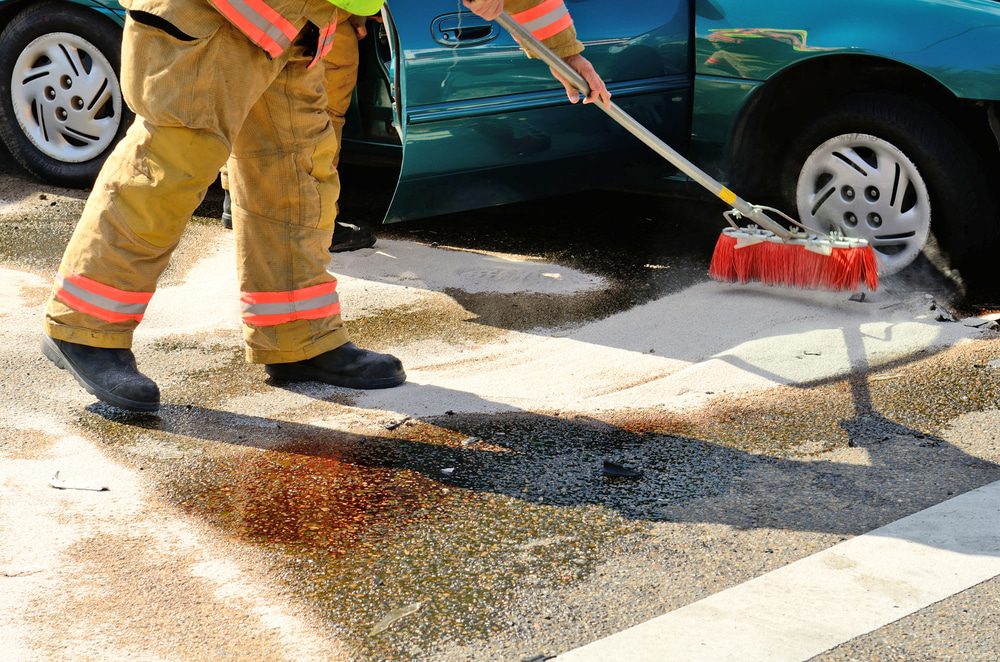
<point x="260" y="23"/>
<point x="326" y="36"/>
<point x="272" y="308"/>
<point x="546" y="19"/>
<point x="99" y="300"/>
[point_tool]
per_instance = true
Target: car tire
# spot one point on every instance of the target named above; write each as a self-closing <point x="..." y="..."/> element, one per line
<point x="61" y="108"/>
<point x="891" y="169"/>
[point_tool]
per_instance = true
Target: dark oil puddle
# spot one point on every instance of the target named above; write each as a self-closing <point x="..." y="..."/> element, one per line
<point x="360" y="526"/>
<point x="464" y="514"/>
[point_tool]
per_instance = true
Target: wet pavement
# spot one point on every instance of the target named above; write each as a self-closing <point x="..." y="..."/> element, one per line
<point x="488" y="534"/>
<point x="492" y="524"/>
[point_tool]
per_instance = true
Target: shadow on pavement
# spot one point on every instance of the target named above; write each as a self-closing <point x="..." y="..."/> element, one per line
<point x="312" y="476"/>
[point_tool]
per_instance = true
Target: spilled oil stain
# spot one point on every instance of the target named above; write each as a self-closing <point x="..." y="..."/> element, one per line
<point x="531" y="311"/>
<point x="364" y="525"/>
<point x="466" y="514"/>
<point x="25" y="444"/>
<point x="401" y="326"/>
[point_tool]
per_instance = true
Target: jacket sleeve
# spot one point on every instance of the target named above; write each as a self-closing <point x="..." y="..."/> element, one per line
<point x="549" y="21"/>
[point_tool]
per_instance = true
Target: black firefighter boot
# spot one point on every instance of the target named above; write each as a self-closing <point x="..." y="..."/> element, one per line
<point x="347" y="365"/>
<point x="227" y="210"/>
<point x="109" y="374"/>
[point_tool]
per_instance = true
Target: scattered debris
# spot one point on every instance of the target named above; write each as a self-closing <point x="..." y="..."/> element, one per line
<point x="857" y="297"/>
<point x="992" y="365"/>
<point x="470" y="441"/>
<point x="60" y="484"/>
<point x="539" y="658"/>
<point x="449" y="471"/>
<point x="615" y="470"/>
<point x="449" y="413"/>
<point x="395" y="615"/>
<point x="809" y="352"/>
<point x="986" y="325"/>
<point x="943" y="314"/>
<point x="885" y="378"/>
<point x="18" y="573"/>
<point x="396" y="424"/>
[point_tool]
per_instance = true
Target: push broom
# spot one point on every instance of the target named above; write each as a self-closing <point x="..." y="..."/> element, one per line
<point x="764" y="250"/>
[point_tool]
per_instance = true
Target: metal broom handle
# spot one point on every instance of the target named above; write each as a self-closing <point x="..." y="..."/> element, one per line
<point x="714" y="187"/>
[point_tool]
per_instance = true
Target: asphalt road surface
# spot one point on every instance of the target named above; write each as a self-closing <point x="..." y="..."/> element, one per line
<point x="598" y="454"/>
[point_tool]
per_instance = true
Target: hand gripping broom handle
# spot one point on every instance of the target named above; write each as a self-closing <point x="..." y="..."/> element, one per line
<point x="714" y="187"/>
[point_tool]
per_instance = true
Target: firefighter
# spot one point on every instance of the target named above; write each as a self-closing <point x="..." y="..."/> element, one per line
<point x="236" y="80"/>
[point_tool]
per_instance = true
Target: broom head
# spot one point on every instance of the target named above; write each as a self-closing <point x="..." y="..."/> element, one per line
<point x="753" y="255"/>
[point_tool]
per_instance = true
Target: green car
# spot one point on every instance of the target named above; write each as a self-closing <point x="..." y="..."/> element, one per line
<point x="876" y="117"/>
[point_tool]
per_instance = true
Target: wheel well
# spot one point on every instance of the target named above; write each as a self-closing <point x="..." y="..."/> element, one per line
<point x="785" y="104"/>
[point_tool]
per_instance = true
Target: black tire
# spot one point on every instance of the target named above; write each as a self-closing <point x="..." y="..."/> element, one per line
<point x="964" y="214"/>
<point x="75" y="166"/>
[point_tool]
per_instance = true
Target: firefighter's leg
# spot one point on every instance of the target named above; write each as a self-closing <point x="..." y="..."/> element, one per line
<point x="146" y="192"/>
<point x="341" y="65"/>
<point x="341" y="71"/>
<point x="282" y="175"/>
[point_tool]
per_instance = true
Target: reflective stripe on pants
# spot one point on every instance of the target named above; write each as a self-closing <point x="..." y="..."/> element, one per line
<point x="196" y="102"/>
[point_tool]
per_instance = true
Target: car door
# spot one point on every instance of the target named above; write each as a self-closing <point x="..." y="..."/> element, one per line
<point x="481" y="124"/>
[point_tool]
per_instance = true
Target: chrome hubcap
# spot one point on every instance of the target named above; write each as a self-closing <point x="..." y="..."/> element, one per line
<point x="866" y="187"/>
<point x="66" y="97"/>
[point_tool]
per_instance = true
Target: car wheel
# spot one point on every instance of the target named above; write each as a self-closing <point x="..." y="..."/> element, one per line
<point x="889" y="170"/>
<point x="61" y="108"/>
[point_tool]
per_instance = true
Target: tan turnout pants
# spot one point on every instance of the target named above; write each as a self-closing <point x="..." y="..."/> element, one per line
<point x="341" y="70"/>
<point x="197" y="102"/>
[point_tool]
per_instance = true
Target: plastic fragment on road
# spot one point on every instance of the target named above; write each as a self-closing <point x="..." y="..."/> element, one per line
<point x="61" y="484"/>
<point x="943" y="314"/>
<point x="396" y="615"/>
<point x="396" y="424"/>
<point x="615" y="470"/>
<point x="980" y="323"/>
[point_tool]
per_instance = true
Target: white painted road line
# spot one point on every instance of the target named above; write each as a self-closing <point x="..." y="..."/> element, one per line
<point x="824" y="600"/>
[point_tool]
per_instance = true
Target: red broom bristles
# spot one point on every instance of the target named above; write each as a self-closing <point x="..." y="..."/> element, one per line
<point x="723" y="265"/>
<point x="747" y="260"/>
<point x="775" y="262"/>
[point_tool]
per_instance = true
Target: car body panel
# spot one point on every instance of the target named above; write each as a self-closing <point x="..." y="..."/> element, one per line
<point x="740" y="47"/>
<point x="718" y="104"/>
<point x="483" y="124"/>
<point x="953" y="41"/>
<point x="110" y="9"/>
